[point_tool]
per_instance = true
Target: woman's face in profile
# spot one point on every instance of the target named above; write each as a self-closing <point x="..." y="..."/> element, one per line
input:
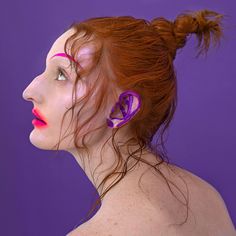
<point x="51" y="95"/>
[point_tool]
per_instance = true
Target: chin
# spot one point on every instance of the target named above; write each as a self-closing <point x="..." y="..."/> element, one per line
<point x="40" y="141"/>
<point x="47" y="142"/>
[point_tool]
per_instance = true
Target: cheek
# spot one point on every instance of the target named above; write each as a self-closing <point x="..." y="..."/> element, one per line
<point x="64" y="95"/>
<point x="80" y="91"/>
<point x="62" y="102"/>
<point x="65" y="103"/>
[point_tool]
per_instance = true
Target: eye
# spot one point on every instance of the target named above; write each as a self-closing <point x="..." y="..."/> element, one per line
<point x="61" y="75"/>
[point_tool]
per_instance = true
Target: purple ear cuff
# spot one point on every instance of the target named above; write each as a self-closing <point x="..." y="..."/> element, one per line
<point x="125" y="106"/>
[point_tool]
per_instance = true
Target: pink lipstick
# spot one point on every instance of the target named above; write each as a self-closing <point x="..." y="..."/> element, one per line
<point x="40" y="120"/>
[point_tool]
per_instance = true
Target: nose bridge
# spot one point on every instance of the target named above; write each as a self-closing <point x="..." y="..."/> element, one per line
<point x="32" y="90"/>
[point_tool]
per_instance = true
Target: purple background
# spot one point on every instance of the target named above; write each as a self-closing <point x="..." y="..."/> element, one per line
<point x="42" y="195"/>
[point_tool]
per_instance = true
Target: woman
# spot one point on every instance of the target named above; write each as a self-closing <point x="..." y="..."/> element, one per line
<point x="109" y="86"/>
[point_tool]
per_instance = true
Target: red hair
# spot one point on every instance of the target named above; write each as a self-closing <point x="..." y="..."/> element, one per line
<point x="136" y="54"/>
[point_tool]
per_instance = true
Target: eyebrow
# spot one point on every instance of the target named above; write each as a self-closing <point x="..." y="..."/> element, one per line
<point x="66" y="56"/>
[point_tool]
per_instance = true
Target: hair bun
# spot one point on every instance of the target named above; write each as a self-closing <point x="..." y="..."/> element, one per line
<point x="175" y="33"/>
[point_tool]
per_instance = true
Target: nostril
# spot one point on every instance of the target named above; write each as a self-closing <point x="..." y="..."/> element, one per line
<point x="24" y="95"/>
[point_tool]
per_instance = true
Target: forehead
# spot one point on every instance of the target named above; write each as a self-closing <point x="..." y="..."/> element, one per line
<point x="85" y="54"/>
<point x="58" y="45"/>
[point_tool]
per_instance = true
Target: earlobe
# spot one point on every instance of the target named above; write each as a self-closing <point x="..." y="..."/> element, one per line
<point x="125" y="109"/>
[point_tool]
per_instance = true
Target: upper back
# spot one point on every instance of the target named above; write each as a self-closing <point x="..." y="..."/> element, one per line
<point x="207" y="215"/>
<point x="155" y="210"/>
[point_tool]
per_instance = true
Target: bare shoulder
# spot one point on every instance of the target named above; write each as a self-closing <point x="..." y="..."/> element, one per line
<point x="206" y="190"/>
<point x="133" y="215"/>
<point x="127" y="219"/>
<point x="208" y="204"/>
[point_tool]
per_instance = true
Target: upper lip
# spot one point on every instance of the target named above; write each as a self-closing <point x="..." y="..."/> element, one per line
<point x="36" y="112"/>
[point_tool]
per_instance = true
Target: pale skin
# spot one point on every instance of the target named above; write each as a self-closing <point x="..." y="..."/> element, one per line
<point x="125" y="209"/>
<point x="53" y="98"/>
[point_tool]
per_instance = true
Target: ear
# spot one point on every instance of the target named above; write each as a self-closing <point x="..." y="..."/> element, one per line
<point x="125" y="109"/>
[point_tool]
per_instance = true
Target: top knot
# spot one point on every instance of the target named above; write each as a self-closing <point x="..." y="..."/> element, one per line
<point x="175" y="33"/>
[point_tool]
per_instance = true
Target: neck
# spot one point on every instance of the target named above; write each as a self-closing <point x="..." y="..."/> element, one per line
<point x="97" y="165"/>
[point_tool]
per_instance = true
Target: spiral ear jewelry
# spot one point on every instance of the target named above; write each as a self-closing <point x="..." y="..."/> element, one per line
<point x="124" y="106"/>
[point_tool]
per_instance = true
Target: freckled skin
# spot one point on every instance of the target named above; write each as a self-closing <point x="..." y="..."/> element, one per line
<point x="53" y="98"/>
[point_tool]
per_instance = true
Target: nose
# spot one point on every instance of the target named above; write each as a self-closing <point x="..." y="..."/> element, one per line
<point x="36" y="90"/>
<point x="26" y="94"/>
<point x="31" y="91"/>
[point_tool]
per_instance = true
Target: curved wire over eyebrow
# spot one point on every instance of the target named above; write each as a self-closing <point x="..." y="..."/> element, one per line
<point x="67" y="56"/>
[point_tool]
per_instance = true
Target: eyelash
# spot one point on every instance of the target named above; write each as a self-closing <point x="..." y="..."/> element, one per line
<point x="59" y="72"/>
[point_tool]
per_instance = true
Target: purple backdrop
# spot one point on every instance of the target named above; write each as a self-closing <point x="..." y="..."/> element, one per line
<point x="41" y="195"/>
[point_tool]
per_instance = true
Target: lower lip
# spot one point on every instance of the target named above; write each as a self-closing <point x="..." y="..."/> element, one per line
<point x="38" y="123"/>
